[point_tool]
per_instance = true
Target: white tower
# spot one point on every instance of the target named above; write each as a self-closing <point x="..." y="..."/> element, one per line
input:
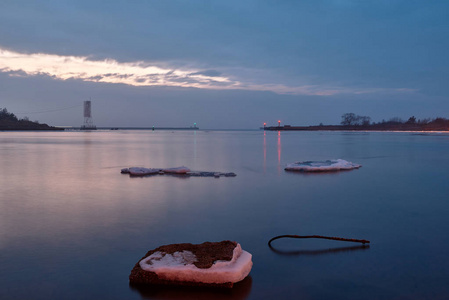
<point x="88" y="122"/>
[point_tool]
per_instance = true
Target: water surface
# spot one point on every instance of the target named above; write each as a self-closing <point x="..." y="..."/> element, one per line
<point x="72" y="226"/>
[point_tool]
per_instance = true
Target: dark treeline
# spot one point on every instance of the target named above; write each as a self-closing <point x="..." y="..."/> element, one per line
<point x="5" y="115"/>
<point x="364" y="122"/>
<point x="351" y="121"/>
<point x="9" y="121"/>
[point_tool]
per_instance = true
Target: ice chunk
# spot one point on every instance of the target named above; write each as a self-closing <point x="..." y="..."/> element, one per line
<point x="178" y="170"/>
<point x="138" y="171"/>
<point x="179" y="267"/>
<point x="201" y="174"/>
<point x="230" y="174"/>
<point x="210" y="174"/>
<point x="322" y="166"/>
<point x="159" y="260"/>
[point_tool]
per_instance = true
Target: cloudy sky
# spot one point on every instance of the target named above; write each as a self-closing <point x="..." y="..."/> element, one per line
<point x="223" y="64"/>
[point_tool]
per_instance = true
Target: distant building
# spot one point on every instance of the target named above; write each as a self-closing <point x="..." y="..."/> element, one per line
<point x="88" y="121"/>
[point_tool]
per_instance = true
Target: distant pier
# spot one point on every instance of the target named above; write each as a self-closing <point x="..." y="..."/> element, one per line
<point x="151" y="128"/>
<point x="288" y="127"/>
<point x="136" y="128"/>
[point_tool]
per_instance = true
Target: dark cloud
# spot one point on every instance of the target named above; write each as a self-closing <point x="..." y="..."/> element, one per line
<point x="347" y="45"/>
<point x="17" y="73"/>
<point x="95" y="78"/>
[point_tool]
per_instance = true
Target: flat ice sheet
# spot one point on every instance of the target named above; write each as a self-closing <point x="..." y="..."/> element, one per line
<point x="322" y="166"/>
<point x="138" y="171"/>
<point x="178" y="170"/>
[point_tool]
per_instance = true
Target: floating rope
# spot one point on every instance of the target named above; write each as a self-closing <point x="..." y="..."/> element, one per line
<point x="317" y="237"/>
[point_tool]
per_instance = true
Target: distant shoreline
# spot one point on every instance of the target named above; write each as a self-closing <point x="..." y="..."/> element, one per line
<point x="26" y="126"/>
<point x="18" y="126"/>
<point x="9" y="122"/>
<point x="133" y="128"/>
<point x="377" y="127"/>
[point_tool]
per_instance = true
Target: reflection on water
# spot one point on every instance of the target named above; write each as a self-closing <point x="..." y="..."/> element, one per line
<point x="318" y="251"/>
<point x="279" y="152"/>
<point x="280" y="166"/>
<point x="240" y="291"/>
<point x="264" y="151"/>
<point x="194" y="146"/>
<point x="72" y="226"/>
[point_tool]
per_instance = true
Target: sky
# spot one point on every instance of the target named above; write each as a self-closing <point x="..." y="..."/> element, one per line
<point x="223" y="64"/>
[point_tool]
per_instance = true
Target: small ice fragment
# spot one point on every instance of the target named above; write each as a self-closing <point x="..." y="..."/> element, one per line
<point x="231" y="174"/>
<point x="138" y="171"/>
<point x="178" y="170"/>
<point x="322" y="166"/>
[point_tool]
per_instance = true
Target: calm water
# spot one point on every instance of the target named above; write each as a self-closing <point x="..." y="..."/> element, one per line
<point x="72" y="226"/>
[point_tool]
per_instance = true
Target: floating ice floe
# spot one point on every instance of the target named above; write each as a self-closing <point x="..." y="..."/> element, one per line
<point x="214" y="264"/>
<point x="210" y="174"/>
<point x="178" y="170"/>
<point x="139" y="171"/>
<point x="322" y="166"/>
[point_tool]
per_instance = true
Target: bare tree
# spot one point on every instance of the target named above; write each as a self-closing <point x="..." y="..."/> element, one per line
<point x="348" y="119"/>
<point x="411" y="120"/>
<point x="351" y="119"/>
